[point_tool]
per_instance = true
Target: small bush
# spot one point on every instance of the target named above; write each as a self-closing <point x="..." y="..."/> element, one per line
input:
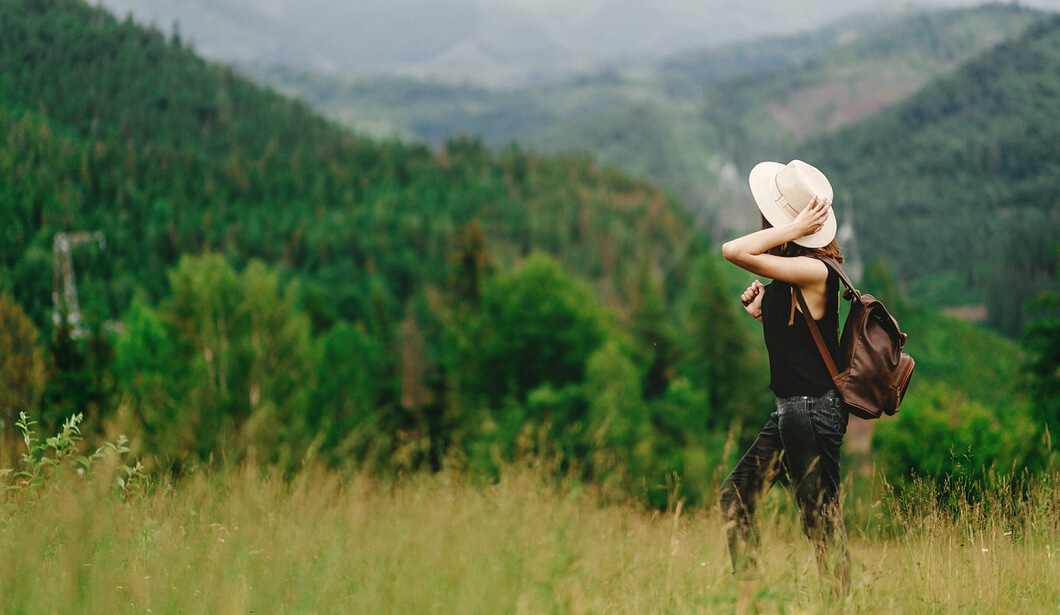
<point x="45" y="461"/>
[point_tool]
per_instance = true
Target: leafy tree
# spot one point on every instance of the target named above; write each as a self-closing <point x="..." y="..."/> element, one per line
<point x="517" y="365"/>
<point x="967" y="439"/>
<point x="541" y="327"/>
<point x="347" y="408"/>
<point x="878" y="281"/>
<point x="238" y="369"/>
<point x="715" y="354"/>
<point x="1042" y="366"/>
<point x="275" y="374"/>
<point x="651" y="327"/>
<point x="149" y="376"/>
<point x="619" y="429"/>
<point x="78" y="376"/>
<point x="1023" y="270"/>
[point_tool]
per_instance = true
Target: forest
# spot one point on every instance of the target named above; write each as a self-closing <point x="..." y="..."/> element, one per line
<point x="274" y="288"/>
<point x="696" y="123"/>
<point x="987" y="232"/>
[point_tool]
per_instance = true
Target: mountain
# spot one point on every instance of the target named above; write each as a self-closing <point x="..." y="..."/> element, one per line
<point x="781" y="109"/>
<point x="696" y="149"/>
<point x="432" y="110"/>
<point x="702" y="149"/>
<point x="480" y="40"/>
<point x="956" y="186"/>
<point x="688" y="121"/>
<point x="112" y="127"/>
<point x="288" y="288"/>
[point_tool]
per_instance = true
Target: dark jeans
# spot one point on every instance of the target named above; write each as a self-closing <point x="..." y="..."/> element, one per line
<point x="801" y="439"/>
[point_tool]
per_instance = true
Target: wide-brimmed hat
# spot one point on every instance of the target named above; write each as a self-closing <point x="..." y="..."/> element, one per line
<point x="783" y="190"/>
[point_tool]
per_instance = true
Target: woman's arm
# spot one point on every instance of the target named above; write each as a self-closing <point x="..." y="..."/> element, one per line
<point x="749" y="252"/>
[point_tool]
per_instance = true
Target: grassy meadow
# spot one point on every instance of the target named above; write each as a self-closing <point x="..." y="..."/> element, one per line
<point x="254" y="542"/>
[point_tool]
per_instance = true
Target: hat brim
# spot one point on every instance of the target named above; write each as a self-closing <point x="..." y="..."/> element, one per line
<point x="761" y="182"/>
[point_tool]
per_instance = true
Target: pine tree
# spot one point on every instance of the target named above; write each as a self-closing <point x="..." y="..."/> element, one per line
<point x="716" y="357"/>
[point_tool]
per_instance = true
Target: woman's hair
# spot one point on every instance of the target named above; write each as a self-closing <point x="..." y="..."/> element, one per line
<point x="793" y="249"/>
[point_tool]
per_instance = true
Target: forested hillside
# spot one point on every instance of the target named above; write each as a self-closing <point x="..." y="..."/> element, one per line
<point x="764" y="114"/>
<point x="273" y="288"/>
<point x="284" y="284"/>
<point x="432" y="110"/>
<point x="116" y="129"/>
<point x="956" y="187"/>
<point x="692" y="123"/>
<point x="703" y="149"/>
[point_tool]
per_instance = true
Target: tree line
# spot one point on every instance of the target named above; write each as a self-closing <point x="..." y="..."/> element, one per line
<point x="312" y="294"/>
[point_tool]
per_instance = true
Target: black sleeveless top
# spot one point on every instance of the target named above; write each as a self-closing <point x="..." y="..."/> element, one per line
<point x="795" y="364"/>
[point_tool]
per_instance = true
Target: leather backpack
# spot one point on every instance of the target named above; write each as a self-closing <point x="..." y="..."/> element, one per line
<point x="873" y="372"/>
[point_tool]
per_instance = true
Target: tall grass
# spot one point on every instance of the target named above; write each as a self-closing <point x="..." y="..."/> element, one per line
<point x="252" y="541"/>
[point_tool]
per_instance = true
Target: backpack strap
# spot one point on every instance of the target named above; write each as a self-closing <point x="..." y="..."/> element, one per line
<point x="827" y="356"/>
<point x="834" y="265"/>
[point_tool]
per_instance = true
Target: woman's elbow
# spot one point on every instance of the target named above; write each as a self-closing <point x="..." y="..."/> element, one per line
<point x="731" y="252"/>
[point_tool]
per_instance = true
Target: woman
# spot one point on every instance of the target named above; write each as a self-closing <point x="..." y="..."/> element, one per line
<point x="803" y="436"/>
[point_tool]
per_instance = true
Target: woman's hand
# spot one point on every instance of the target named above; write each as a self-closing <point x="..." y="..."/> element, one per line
<point x="752" y="299"/>
<point x="751" y="252"/>
<point x="812" y="218"/>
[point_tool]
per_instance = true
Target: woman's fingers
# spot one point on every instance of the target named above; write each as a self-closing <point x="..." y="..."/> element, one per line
<point x="748" y="296"/>
<point x="818" y="212"/>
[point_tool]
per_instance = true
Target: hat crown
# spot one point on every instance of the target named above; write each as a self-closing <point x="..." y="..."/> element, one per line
<point x="781" y="191"/>
<point x="798" y="182"/>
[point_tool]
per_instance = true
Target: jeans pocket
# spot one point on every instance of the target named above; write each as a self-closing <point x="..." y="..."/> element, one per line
<point x="830" y="417"/>
<point x="841" y="414"/>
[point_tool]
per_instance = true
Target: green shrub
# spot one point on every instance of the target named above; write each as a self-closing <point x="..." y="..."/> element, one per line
<point x="44" y="461"/>
<point x="941" y="434"/>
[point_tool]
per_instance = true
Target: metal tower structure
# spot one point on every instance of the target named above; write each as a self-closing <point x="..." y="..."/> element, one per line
<point x="64" y="288"/>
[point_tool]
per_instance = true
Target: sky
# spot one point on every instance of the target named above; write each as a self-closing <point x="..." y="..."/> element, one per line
<point x="469" y="37"/>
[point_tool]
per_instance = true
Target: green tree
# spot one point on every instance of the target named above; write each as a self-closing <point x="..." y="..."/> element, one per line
<point x="347" y="410"/>
<point x="275" y="373"/>
<point x="1041" y="339"/>
<point x="78" y="376"/>
<point x="619" y="430"/>
<point x="524" y="355"/>
<point x="1025" y="266"/>
<point x="202" y="311"/>
<point x="21" y="365"/>
<point x="878" y="281"/>
<point x="967" y="438"/>
<point x="238" y="369"/>
<point x="150" y="374"/>
<point x="541" y="327"/>
<point x="652" y="331"/>
<point x="715" y="354"/>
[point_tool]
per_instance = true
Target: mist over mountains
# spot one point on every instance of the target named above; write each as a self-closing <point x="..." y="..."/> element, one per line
<point x="481" y="40"/>
<point x="693" y="121"/>
<point x="307" y="288"/>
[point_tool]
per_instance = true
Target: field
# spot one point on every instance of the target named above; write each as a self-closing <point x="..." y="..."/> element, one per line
<point x="250" y="541"/>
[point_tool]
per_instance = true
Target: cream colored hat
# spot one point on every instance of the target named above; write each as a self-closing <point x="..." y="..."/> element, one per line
<point x="783" y="190"/>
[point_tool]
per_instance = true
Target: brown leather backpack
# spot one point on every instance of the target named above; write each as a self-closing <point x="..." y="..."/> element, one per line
<point x="875" y="372"/>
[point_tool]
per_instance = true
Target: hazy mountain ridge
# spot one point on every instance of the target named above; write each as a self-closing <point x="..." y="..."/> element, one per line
<point x="475" y="39"/>
<point x="212" y="162"/>
<point x="432" y="110"/>
<point x="857" y="78"/>
<point x="396" y="341"/>
<point x="646" y="119"/>
<point x="715" y="139"/>
<point x="957" y="185"/>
